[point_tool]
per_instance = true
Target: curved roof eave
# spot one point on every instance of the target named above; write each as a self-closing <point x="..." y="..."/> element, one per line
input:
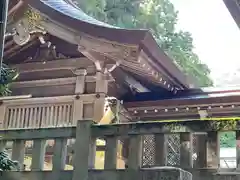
<point x="234" y="9"/>
<point x="75" y="18"/>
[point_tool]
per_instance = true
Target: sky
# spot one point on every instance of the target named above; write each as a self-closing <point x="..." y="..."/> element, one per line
<point x="216" y="35"/>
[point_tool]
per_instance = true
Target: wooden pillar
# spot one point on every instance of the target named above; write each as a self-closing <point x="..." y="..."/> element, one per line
<point x="101" y="83"/>
<point x="161" y="149"/>
<point x="186" y="160"/>
<point x="80" y="80"/>
<point x="83" y="139"/>
<point x="201" y="150"/>
<point x="101" y="91"/>
<point x="213" y="149"/>
<point x="79" y="89"/>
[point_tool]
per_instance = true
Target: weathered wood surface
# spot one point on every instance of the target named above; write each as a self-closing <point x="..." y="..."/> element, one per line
<point x="171" y="174"/>
<point x="86" y="133"/>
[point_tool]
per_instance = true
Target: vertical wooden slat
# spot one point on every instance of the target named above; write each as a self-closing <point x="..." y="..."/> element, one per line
<point x="55" y="116"/>
<point x="34" y="118"/>
<point x="29" y="117"/>
<point x="161" y="149"/>
<point x="110" y="161"/>
<point x="18" y="117"/>
<point x="39" y="147"/>
<point x="46" y="114"/>
<point x="64" y="118"/>
<point x="201" y="150"/>
<point x="43" y="116"/>
<point x="7" y="120"/>
<point x="213" y="149"/>
<point x="59" y="157"/>
<point x="59" y="123"/>
<point x="23" y="116"/>
<point x="135" y="152"/>
<point x="18" y="152"/>
<point x="50" y="116"/>
<point x="3" y="111"/>
<point x="68" y="115"/>
<point x="14" y="118"/>
<point x="39" y="113"/>
<point x="186" y="160"/>
<point x="83" y="139"/>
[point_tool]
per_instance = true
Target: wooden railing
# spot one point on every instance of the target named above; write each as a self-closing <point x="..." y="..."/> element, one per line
<point x="86" y="133"/>
<point x="46" y="111"/>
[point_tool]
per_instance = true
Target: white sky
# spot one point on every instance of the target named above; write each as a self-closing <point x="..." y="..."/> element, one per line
<point x="216" y="36"/>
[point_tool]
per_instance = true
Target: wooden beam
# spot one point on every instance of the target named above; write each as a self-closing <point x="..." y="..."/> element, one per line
<point x="71" y="64"/>
<point x="51" y="82"/>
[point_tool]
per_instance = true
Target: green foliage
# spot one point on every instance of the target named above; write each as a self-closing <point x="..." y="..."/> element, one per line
<point x="160" y="17"/>
<point x="7" y="76"/>
<point x="6" y="164"/>
<point x="227" y="139"/>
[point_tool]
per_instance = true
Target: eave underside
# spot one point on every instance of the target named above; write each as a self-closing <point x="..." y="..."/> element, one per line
<point x="201" y="105"/>
<point x="234" y="9"/>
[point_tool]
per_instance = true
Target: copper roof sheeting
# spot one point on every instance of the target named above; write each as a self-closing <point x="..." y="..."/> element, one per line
<point x="70" y="16"/>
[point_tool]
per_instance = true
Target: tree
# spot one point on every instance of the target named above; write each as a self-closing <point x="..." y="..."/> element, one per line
<point x="6" y="164"/>
<point x="160" y="17"/>
<point x="7" y="76"/>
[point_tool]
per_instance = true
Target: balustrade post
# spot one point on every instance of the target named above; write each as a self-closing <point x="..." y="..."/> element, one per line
<point x="38" y="154"/>
<point x="238" y="146"/>
<point x="161" y="149"/>
<point x="213" y="150"/>
<point x="201" y="150"/>
<point x="81" y="158"/>
<point x="186" y="160"/>
<point x="59" y="157"/>
<point x="18" y="152"/>
<point x="135" y="152"/>
<point x="92" y="153"/>
<point x="110" y="161"/>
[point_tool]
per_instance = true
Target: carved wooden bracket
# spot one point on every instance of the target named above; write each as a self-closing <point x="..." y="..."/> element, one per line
<point x="29" y="24"/>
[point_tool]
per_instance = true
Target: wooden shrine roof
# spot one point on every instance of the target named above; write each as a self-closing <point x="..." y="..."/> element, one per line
<point x="137" y="50"/>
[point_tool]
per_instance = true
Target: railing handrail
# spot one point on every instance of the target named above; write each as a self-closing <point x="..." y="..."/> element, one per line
<point x="42" y="100"/>
<point x="97" y="130"/>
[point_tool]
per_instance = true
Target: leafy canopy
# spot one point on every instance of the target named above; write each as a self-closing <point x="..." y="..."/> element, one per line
<point x="7" y="76"/>
<point x="160" y="17"/>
